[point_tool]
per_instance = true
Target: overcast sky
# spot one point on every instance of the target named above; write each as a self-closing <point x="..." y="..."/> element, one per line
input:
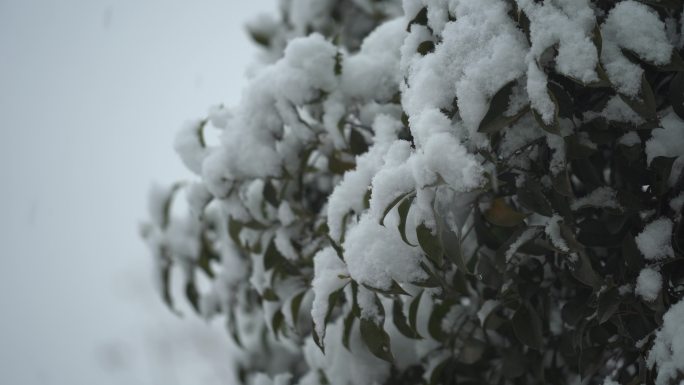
<point x="91" y="94"/>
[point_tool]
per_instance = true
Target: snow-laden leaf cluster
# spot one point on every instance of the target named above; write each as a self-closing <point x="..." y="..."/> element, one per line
<point x="447" y="191"/>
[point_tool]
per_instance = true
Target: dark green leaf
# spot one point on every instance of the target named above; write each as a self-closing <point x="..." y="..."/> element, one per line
<point x="438" y="372"/>
<point x="395" y="288"/>
<point x="348" y="325"/>
<point x="501" y="214"/>
<point x="376" y="339"/>
<point x="394" y="202"/>
<point x="426" y="47"/>
<point x="563" y="100"/>
<point x="403" y="211"/>
<point x="608" y="304"/>
<point x="277" y="322"/>
<point x="338" y="63"/>
<point x="561" y="183"/>
<point x="413" y="312"/>
<point x="495" y="120"/>
<point x="192" y="295"/>
<point x="272" y="256"/>
<point x="472" y="351"/>
<point x="338" y="166"/>
<point x="357" y="143"/>
<point x="528" y="327"/>
<point x="431" y="244"/>
<point x="269" y="295"/>
<point x="421" y="18"/>
<point x="439" y="311"/>
<point x="295" y="305"/>
<point x="676" y="94"/>
<point x="585" y="273"/>
<point x="644" y="104"/>
<point x="270" y="194"/>
<point x="530" y="195"/>
<point x="400" y="320"/>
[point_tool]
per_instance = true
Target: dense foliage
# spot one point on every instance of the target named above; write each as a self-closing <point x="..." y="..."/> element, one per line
<point x="441" y="192"/>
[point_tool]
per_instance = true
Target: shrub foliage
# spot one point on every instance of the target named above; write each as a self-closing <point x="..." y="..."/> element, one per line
<point x="397" y="200"/>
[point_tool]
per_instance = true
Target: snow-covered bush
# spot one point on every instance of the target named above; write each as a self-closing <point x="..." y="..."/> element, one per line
<point x="444" y="191"/>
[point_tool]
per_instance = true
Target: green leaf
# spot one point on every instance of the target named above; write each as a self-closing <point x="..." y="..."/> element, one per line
<point x="394" y="202"/>
<point x="561" y="183"/>
<point x="338" y="166"/>
<point x="403" y="211"/>
<point x="676" y="94"/>
<point x="192" y="295"/>
<point x="501" y="214"/>
<point x="272" y="256"/>
<point x="531" y="196"/>
<point x="269" y="295"/>
<point x="232" y="325"/>
<point x="395" y="288"/>
<point x="575" y="149"/>
<point x="452" y="248"/>
<point x="426" y="47"/>
<point x="564" y="101"/>
<point x="439" y="311"/>
<point x="357" y="143"/>
<point x="421" y="18"/>
<point x="400" y="320"/>
<point x="513" y="364"/>
<point x="431" y="244"/>
<point x="645" y="104"/>
<point x="438" y="372"/>
<point x="608" y="304"/>
<point x="661" y="167"/>
<point x="472" y="351"/>
<point x="295" y="305"/>
<point x="413" y="312"/>
<point x="495" y="120"/>
<point x="376" y="339"/>
<point x="270" y="194"/>
<point x="260" y="38"/>
<point x="348" y="325"/>
<point x="165" y="278"/>
<point x="597" y="39"/>
<point x="277" y="322"/>
<point x="585" y="273"/>
<point x="528" y="327"/>
<point x="338" y="63"/>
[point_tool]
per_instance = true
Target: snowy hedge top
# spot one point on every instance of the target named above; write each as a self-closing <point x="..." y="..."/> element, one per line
<point x="424" y="191"/>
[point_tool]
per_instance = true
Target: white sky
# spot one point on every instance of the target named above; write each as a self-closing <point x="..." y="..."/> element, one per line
<point x="91" y="94"/>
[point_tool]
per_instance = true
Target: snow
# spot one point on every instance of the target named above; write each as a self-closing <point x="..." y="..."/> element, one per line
<point x="526" y="236"/>
<point x="480" y="52"/>
<point x="668" y="141"/>
<point x="373" y="73"/>
<point x="328" y="269"/>
<point x="629" y="139"/>
<point x="602" y="197"/>
<point x="654" y="241"/>
<point x="667" y="352"/>
<point x="552" y="229"/>
<point x="648" y="285"/>
<point x="616" y="110"/>
<point x="444" y="155"/>
<point x="190" y="146"/>
<point x="376" y="255"/>
<point x="636" y="27"/>
<point x="568" y="24"/>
